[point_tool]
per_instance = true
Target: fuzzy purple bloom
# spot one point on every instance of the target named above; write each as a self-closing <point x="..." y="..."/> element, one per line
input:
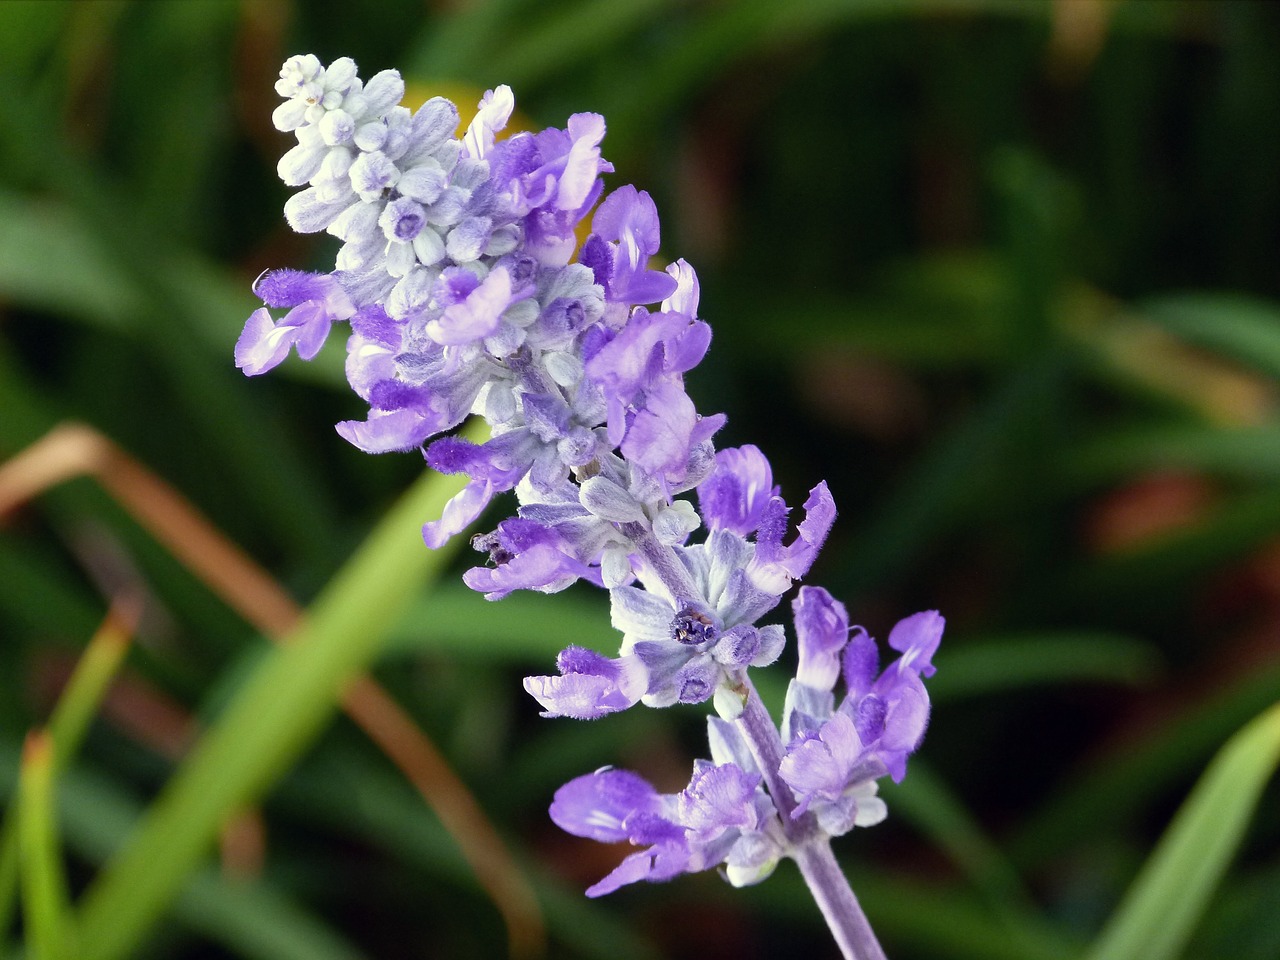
<point x="629" y="217"/>
<point x="525" y="556"/>
<point x="736" y="494"/>
<point x="589" y="685"/>
<point x="776" y="565"/>
<point x="836" y="756"/>
<point x="717" y="819"/>
<point x="316" y="302"/>
<point x="822" y="628"/>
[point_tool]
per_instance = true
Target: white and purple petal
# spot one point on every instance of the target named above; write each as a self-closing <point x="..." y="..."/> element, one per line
<point x="917" y="638"/>
<point x="597" y="805"/>
<point x="822" y="628"/>
<point x="459" y="513"/>
<point x="590" y="685"/>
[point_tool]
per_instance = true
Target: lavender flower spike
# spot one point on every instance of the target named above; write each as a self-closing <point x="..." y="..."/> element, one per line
<point x="468" y="295"/>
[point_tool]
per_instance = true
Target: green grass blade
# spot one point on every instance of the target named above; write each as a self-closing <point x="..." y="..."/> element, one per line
<point x="83" y="693"/>
<point x="1164" y="904"/>
<point x="253" y="917"/>
<point x="46" y="912"/>
<point x="274" y="716"/>
<point x="76" y="707"/>
<point x="1112" y="790"/>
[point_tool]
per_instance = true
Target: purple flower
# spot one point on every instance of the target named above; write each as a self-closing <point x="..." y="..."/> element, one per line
<point x="822" y="628"/>
<point x="736" y="494"/>
<point x="563" y="187"/>
<point x="598" y="805"/>
<point x="316" y="301"/>
<point x="776" y="565"/>
<point x="664" y="433"/>
<point x="589" y="685"/>
<point x="837" y="772"/>
<point x="456" y="275"/>
<point x="462" y="510"/>
<point x="525" y="556"/>
<point x="917" y="638"/>
<point x="690" y="648"/>
<point x="629" y="217"/>
<point x="477" y="315"/>
<point x="719" y="818"/>
<point x="835" y="757"/>
<point x="646" y="358"/>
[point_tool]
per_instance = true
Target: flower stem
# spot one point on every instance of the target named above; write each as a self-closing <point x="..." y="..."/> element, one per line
<point x="835" y="898"/>
<point x="661" y="560"/>
<point x="810" y="847"/>
<point x="762" y="738"/>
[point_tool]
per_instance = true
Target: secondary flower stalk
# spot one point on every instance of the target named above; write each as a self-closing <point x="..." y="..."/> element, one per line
<point x="467" y="293"/>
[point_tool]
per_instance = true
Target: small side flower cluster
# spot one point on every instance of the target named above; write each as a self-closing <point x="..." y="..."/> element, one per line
<point x="467" y="293"/>
<point x="831" y="761"/>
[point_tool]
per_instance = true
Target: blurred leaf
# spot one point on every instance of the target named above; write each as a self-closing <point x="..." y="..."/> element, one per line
<point x="722" y="35"/>
<point x="1240" y="922"/>
<point x="952" y="482"/>
<point x="1147" y="572"/>
<point x="523" y="628"/>
<point x="77" y="704"/>
<point x="1040" y="209"/>
<point x="344" y="791"/>
<point x="1245" y="328"/>
<point x="1141" y="357"/>
<point x="480" y="45"/>
<point x="278" y="711"/>
<point x="51" y="261"/>
<point x="940" y="311"/>
<point x="1167" y="899"/>
<point x="458" y="46"/>
<point x="173" y="280"/>
<point x="926" y="801"/>
<point x="26" y="415"/>
<point x="171" y="148"/>
<point x="997" y="665"/>
<point x="46" y="904"/>
<point x="1246" y="453"/>
<point x="253" y="917"/>
<point x="34" y="592"/>
<point x="29" y="30"/>
<point x="1110" y="791"/>
<point x="927" y="919"/>
<point x="97" y="667"/>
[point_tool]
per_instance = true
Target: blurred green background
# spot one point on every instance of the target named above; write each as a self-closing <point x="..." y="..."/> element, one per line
<point x="1003" y="273"/>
